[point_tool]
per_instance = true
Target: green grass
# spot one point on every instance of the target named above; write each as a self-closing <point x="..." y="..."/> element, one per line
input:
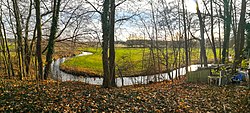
<point x="93" y="63"/>
<point x="129" y="60"/>
<point x="89" y="62"/>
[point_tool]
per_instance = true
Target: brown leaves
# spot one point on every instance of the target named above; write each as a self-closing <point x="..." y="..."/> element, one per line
<point x="158" y="97"/>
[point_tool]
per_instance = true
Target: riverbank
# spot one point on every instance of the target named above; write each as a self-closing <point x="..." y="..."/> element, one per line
<point x="25" y="96"/>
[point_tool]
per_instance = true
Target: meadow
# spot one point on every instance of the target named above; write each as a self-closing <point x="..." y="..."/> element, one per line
<point x="129" y="62"/>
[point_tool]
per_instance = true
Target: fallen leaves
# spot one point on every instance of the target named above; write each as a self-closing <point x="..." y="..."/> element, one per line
<point x="25" y="96"/>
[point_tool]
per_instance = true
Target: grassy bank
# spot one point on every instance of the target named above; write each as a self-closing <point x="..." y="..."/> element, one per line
<point x="129" y="61"/>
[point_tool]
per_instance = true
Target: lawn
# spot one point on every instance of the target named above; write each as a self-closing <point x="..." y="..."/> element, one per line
<point x="130" y="62"/>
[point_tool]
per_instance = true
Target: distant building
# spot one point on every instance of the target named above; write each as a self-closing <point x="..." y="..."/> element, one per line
<point x="149" y="43"/>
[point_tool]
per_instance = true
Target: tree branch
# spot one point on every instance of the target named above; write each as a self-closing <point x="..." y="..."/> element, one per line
<point x="67" y="23"/>
<point x="93" y="7"/>
<point x="68" y="38"/>
<point x="194" y="36"/>
<point x="46" y="13"/>
<point x="206" y="7"/>
<point x="120" y="3"/>
<point x="127" y="18"/>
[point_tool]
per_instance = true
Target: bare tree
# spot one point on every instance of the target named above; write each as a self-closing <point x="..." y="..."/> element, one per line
<point x="185" y="34"/>
<point x="52" y="37"/>
<point x="212" y="31"/>
<point x="227" y="29"/>
<point x="239" y="45"/>
<point x="26" y="43"/>
<point x="111" y="43"/>
<point x="39" y="40"/>
<point x="105" y="38"/>
<point x="202" y="42"/>
<point x="5" y="47"/>
<point x="19" y="36"/>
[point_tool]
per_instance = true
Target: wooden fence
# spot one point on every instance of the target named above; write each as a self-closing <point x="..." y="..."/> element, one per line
<point x="201" y="75"/>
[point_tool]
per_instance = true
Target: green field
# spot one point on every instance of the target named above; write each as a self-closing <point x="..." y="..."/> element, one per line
<point x="125" y="58"/>
<point x="129" y="61"/>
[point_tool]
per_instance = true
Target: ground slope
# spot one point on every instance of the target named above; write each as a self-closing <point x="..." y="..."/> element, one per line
<point x="158" y="97"/>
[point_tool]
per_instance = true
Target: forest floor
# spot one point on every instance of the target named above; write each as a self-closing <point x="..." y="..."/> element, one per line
<point x="24" y="96"/>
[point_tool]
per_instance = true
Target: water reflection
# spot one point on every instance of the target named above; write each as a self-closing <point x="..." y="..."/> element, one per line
<point x="57" y="74"/>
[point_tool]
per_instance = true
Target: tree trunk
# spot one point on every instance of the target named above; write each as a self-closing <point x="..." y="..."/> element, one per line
<point x="19" y="37"/>
<point x="212" y="32"/>
<point x="26" y="47"/>
<point x="3" y="50"/>
<point x="239" y="45"/>
<point x="39" y="39"/>
<point x="248" y="50"/>
<point x="219" y="39"/>
<point x="179" y="39"/>
<point x="10" y="65"/>
<point x="52" y="37"/>
<point x="112" y="44"/>
<point x="202" y="42"/>
<point x="234" y="29"/>
<point x="248" y="39"/>
<point x="3" y="47"/>
<point x="227" y="29"/>
<point x="105" y="37"/>
<point x="29" y="54"/>
<point x="185" y="35"/>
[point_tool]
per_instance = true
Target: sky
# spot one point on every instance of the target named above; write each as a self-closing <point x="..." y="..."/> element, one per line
<point x="191" y="6"/>
<point x="129" y="28"/>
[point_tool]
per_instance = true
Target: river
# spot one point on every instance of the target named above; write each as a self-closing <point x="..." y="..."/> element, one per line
<point x="57" y="74"/>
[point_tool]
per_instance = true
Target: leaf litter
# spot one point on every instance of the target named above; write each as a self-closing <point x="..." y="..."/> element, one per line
<point x="26" y="96"/>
